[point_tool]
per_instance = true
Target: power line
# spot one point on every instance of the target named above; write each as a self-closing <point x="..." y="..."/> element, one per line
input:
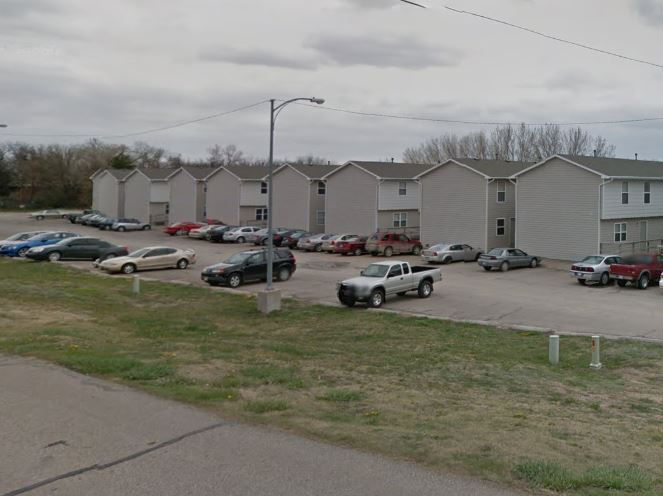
<point x="140" y="133"/>
<point x="478" y="123"/>
<point x="543" y="35"/>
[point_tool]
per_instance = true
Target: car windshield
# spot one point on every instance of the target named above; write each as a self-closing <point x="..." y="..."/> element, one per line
<point x="39" y="237"/>
<point x="239" y="258"/>
<point x="495" y="252"/>
<point x="593" y="260"/>
<point x="138" y="253"/>
<point x="376" y="270"/>
<point x="440" y="247"/>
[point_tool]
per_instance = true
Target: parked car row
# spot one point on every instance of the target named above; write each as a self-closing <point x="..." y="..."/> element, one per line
<point x="94" y="218"/>
<point x="638" y="270"/>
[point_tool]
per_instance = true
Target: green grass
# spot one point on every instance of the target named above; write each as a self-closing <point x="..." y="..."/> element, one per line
<point x="463" y="398"/>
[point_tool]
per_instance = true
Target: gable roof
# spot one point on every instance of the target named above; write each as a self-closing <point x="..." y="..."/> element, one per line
<point x="312" y="171"/>
<point x="386" y="170"/>
<point x="490" y="169"/>
<point x="153" y="173"/>
<point x="247" y="172"/>
<point x="119" y="174"/>
<point x="607" y="168"/>
<point x="198" y="173"/>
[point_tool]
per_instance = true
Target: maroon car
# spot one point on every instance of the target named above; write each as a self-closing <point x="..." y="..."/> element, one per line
<point x="391" y="243"/>
<point x="639" y="270"/>
<point x="356" y="246"/>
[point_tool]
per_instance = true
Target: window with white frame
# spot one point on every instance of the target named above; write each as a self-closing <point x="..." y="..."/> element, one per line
<point x="500" y="227"/>
<point x="320" y="217"/>
<point x="402" y="188"/>
<point x="263" y="188"/>
<point x="625" y="193"/>
<point x="261" y="214"/>
<point x="620" y="232"/>
<point x="400" y="219"/>
<point x="322" y="188"/>
<point x="647" y="193"/>
<point x="501" y="191"/>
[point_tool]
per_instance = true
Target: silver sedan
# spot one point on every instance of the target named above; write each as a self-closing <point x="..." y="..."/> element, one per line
<point x="130" y="225"/>
<point x="595" y="268"/>
<point x="507" y="258"/>
<point x="451" y="252"/>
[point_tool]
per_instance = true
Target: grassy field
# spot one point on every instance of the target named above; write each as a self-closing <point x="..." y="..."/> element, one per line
<point x="462" y="398"/>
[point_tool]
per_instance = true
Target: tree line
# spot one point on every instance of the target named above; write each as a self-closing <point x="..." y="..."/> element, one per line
<point x="514" y="143"/>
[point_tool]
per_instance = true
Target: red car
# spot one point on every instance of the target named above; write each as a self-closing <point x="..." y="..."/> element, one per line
<point x="356" y="246"/>
<point x="390" y="243"/>
<point x="638" y="269"/>
<point x="182" y="228"/>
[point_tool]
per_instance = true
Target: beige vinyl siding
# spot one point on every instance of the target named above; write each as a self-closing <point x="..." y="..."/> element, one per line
<point x="636" y="207"/>
<point x="248" y="217"/>
<point x="386" y="221"/>
<point x="291" y="199"/>
<point x="316" y="202"/>
<point x="389" y="199"/>
<point x="107" y="194"/>
<point x="222" y="199"/>
<point x="250" y="194"/>
<point x="159" y="192"/>
<point x="557" y="211"/>
<point x="201" y="208"/>
<point x="453" y="206"/>
<point x="137" y="197"/>
<point x="633" y="233"/>
<point x="506" y="210"/>
<point x="351" y="201"/>
<point x="183" y="202"/>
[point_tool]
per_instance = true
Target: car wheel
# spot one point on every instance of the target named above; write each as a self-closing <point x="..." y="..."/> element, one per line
<point x="446" y="261"/>
<point x="182" y="263"/>
<point x="643" y="282"/>
<point x="358" y="252"/>
<point x="181" y="232"/>
<point x="621" y="283"/>
<point x="147" y="228"/>
<point x="54" y="256"/>
<point x="504" y="267"/>
<point x="388" y="251"/>
<point x="22" y="252"/>
<point x="283" y="274"/>
<point x="416" y="250"/>
<point x="121" y="229"/>
<point x="605" y="279"/>
<point x="582" y="282"/>
<point x="425" y="289"/>
<point x="476" y="259"/>
<point x="263" y="242"/>
<point x="348" y="302"/>
<point x="128" y="268"/>
<point x="65" y="216"/>
<point x="534" y="263"/>
<point x="376" y="299"/>
<point x="241" y="240"/>
<point x="40" y="217"/>
<point x="235" y="280"/>
<point x="487" y="269"/>
<point x="318" y="248"/>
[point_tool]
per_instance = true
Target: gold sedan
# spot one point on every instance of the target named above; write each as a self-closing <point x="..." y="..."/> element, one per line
<point x="150" y="258"/>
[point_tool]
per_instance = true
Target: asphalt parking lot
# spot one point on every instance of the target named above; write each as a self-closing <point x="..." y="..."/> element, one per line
<point x="544" y="298"/>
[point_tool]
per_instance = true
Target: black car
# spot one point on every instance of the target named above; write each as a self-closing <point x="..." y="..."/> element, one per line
<point x="291" y="240"/>
<point x="77" y="249"/>
<point x="215" y="235"/>
<point x="106" y="223"/>
<point x="95" y="221"/>
<point x="247" y="266"/>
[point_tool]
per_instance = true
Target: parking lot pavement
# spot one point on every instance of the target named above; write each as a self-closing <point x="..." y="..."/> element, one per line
<point x="65" y="433"/>
<point x="543" y="298"/>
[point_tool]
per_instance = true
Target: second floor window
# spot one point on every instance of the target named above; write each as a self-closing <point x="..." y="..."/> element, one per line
<point x="501" y="191"/>
<point x="647" y="193"/>
<point x="500" y="225"/>
<point x="625" y="193"/>
<point x="402" y="188"/>
<point x="263" y="188"/>
<point x="322" y="187"/>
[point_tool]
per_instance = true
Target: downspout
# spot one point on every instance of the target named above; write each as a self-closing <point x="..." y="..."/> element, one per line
<point x="420" y="206"/>
<point x="601" y="207"/>
<point x="377" y="205"/>
<point x="515" y="212"/>
<point x="308" y="209"/>
<point x="239" y="204"/>
<point x="488" y="182"/>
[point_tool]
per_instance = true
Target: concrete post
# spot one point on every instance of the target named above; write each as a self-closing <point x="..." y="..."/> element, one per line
<point x="553" y="349"/>
<point x="596" y="353"/>
<point x="136" y="284"/>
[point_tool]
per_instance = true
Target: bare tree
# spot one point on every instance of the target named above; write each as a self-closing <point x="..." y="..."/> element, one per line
<point x="228" y="155"/>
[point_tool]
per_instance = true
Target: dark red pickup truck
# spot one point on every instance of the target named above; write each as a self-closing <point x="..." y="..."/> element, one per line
<point x="389" y="243"/>
<point x="640" y="270"/>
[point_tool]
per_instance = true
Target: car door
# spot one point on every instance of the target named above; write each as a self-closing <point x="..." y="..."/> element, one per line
<point x="518" y="258"/>
<point x="151" y="260"/>
<point x="72" y="250"/>
<point x="468" y="253"/>
<point x="401" y="244"/>
<point x="456" y="252"/>
<point x="255" y="268"/>
<point x="167" y="258"/>
<point x="395" y="280"/>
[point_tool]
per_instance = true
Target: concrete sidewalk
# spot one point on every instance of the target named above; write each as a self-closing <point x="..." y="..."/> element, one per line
<point x="67" y="434"/>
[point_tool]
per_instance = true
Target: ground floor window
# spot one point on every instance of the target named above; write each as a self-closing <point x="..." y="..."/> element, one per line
<point x="400" y="219"/>
<point x="261" y="214"/>
<point x="620" y="232"/>
<point x="500" y="225"/>
<point x="320" y="217"/>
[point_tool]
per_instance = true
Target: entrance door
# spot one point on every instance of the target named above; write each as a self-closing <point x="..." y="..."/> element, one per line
<point x="512" y="233"/>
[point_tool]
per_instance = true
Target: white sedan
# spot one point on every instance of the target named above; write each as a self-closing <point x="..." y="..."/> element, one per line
<point x="48" y="214"/>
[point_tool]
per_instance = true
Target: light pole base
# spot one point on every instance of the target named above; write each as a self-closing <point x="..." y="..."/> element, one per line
<point x="269" y="301"/>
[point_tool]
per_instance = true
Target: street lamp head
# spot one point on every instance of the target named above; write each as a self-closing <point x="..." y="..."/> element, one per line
<point x="319" y="101"/>
<point x="3" y="125"/>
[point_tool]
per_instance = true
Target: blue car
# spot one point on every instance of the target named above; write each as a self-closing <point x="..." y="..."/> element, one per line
<point x="21" y="248"/>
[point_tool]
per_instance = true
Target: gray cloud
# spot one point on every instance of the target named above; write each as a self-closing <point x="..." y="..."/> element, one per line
<point x="371" y="4"/>
<point x="21" y="8"/>
<point x="650" y="10"/>
<point x="396" y="51"/>
<point x="256" y="57"/>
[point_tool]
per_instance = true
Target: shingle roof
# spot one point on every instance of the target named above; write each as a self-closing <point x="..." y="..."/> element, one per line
<point x="495" y="168"/>
<point x="314" y="171"/>
<point x="248" y="172"/>
<point x="391" y="170"/>
<point x="119" y="173"/>
<point x="199" y="172"/>
<point x="157" y="173"/>
<point x="619" y="167"/>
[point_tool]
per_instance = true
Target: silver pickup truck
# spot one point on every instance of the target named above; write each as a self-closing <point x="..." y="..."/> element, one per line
<point x="382" y="279"/>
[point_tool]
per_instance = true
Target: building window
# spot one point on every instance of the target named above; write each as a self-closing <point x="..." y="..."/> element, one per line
<point x="647" y="193"/>
<point x="320" y="217"/>
<point x="501" y="191"/>
<point x="501" y="227"/>
<point x="620" y="232"/>
<point x="625" y="193"/>
<point x="167" y="208"/>
<point x="322" y="188"/>
<point x="261" y="214"/>
<point x="263" y="188"/>
<point x="402" y="188"/>
<point x="400" y="219"/>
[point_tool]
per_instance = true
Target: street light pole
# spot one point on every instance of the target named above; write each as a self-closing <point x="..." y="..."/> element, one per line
<point x="265" y="301"/>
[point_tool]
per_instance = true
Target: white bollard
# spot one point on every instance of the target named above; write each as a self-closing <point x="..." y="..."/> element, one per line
<point x="553" y="349"/>
<point x="596" y="353"/>
<point x="136" y="284"/>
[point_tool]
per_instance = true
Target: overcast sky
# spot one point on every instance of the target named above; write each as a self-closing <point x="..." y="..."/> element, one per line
<point x="92" y="66"/>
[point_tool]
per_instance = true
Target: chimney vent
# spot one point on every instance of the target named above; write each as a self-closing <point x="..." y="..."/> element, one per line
<point x="636" y="156"/>
<point x="595" y="153"/>
<point x="392" y="160"/>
